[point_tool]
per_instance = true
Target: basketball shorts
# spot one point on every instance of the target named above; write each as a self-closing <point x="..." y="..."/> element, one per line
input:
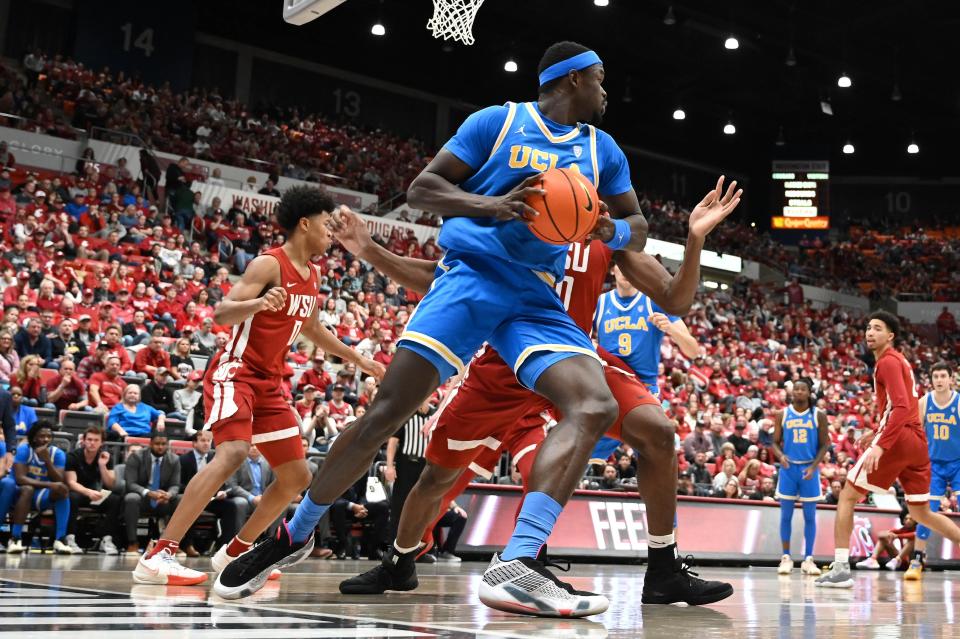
<point x="943" y="474"/>
<point x="245" y="406"/>
<point x="476" y="299"/>
<point x="792" y="485"/>
<point x="907" y="460"/>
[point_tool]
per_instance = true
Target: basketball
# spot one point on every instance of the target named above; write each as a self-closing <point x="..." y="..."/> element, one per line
<point x="568" y="210"/>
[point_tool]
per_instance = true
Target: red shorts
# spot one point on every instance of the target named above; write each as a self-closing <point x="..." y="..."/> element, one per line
<point x="491" y="412"/>
<point x="907" y="460"/>
<point x="245" y="406"/>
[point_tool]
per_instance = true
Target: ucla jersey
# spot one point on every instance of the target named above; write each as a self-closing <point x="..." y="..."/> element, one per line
<point x="36" y="467"/>
<point x="801" y="437"/>
<point x="507" y="144"/>
<point x="622" y="326"/>
<point x="941" y="425"/>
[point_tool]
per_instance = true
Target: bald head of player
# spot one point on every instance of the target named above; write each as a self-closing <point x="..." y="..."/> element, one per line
<point x="304" y="215"/>
<point x="571" y="77"/>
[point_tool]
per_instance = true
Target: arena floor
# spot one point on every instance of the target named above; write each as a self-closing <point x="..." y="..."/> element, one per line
<point x="93" y="597"/>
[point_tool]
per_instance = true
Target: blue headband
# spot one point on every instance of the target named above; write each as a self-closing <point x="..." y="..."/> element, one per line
<point x="562" y="68"/>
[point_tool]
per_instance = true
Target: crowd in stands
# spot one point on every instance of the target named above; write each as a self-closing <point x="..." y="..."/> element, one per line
<point x="63" y="93"/>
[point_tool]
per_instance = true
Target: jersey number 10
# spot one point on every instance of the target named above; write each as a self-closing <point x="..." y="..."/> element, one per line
<point x="941" y="432"/>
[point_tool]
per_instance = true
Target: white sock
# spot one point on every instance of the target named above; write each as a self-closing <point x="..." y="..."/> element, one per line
<point x="660" y="541"/>
<point x="404" y="551"/>
<point x="841" y="555"/>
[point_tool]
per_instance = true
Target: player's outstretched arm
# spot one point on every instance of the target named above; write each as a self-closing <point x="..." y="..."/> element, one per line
<point x="323" y="337"/>
<point x="675" y="293"/>
<point x="258" y="290"/>
<point x="436" y="190"/>
<point x="351" y="231"/>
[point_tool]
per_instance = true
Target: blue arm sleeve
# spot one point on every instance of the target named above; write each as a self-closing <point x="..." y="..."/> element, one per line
<point x="614" y="168"/>
<point x="475" y="138"/>
<point x="60" y="459"/>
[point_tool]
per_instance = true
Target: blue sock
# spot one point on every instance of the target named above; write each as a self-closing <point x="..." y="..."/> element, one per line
<point x="809" y="526"/>
<point x="786" y="520"/>
<point x="61" y="512"/>
<point x="16" y="531"/>
<point x="922" y="531"/>
<point x="534" y="524"/>
<point x="305" y="519"/>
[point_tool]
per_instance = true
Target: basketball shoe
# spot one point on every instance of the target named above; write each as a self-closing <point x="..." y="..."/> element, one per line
<point x="220" y="560"/>
<point x="786" y="565"/>
<point x="164" y="569"/>
<point x="525" y="586"/>
<point x="810" y="567"/>
<point x="868" y="564"/>
<point x="396" y="571"/>
<point x="248" y="573"/>
<point x="677" y="584"/>
<point x="915" y="571"/>
<point x="838" y="577"/>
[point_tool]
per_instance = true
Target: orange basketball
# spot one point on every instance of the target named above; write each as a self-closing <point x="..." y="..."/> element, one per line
<point x="568" y="210"/>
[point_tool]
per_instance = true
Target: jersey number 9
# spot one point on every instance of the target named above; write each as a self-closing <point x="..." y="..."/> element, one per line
<point x="625" y="344"/>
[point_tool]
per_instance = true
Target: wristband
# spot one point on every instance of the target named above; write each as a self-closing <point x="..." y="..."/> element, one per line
<point x="621" y="235"/>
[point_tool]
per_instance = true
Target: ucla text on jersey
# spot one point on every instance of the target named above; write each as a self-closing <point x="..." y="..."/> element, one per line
<point x="623" y="327"/>
<point x="941" y="425"/>
<point x="801" y="439"/>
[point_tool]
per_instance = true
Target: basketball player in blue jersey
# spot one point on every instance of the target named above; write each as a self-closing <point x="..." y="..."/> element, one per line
<point x="800" y="441"/>
<point x="631" y="326"/>
<point x="940" y="416"/>
<point x="495" y="284"/>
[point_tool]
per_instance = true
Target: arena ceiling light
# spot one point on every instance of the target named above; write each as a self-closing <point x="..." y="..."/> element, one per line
<point x="601" y="3"/>
<point x="896" y="96"/>
<point x="731" y="43"/>
<point x="510" y="66"/>
<point x="729" y="128"/>
<point x="912" y="148"/>
<point x="791" y="60"/>
<point x="378" y="29"/>
<point x="669" y="19"/>
<point x="848" y="148"/>
<point x="781" y="139"/>
<point x="679" y="114"/>
<point x="844" y="81"/>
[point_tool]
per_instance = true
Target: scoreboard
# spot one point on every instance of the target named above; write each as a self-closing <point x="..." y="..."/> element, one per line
<point x="801" y="195"/>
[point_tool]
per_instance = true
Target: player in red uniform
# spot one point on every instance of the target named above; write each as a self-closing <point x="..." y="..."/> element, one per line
<point x="274" y="302"/>
<point x="490" y="410"/>
<point x="898" y="450"/>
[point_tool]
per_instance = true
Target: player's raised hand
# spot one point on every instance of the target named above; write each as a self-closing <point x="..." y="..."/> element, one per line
<point x="713" y="208"/>
<point x="513" y="205"/>
<point x="661" y="321"/>
<point x="273" y="300"/>
<point x="350" y="230"/>
<point x="372" y="367"/>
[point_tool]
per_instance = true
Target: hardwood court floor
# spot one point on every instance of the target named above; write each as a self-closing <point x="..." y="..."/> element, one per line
<point x="93" y="597"/>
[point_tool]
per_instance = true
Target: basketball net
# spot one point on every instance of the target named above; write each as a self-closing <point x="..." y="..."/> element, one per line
<point x="454" y="19"/>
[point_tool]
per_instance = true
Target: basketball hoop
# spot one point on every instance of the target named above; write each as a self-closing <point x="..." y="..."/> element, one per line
<point x="454" y="19"/>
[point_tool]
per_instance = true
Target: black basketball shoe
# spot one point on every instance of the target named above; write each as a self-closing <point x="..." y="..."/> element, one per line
<point x="678" y="584"/>
<point x="395" y="571"/>
<point x="248" y="573"/>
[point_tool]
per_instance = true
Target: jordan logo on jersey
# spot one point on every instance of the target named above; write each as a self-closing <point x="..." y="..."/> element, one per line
<point x="301" y="305"/>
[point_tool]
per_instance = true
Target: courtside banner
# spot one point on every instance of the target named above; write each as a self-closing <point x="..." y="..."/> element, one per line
<point x="609" y="524"/>
<point x="250" y="200"/>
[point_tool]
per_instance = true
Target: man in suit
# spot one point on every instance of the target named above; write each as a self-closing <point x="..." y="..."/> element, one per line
<point x="153" y="485"/>
<point x="353" y="506"/>
<point x="231" y="510"/>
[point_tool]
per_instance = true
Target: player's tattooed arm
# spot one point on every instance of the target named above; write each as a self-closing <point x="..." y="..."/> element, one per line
<point x="258" y="290"/>
<point x="436" y="190"/>
<point x="411" y="273"/>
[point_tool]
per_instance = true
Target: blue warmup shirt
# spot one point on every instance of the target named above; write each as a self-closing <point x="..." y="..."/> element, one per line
<point x="37" y="468"/>
<point x="801" y="437"/>
<point x="940" y="422"/>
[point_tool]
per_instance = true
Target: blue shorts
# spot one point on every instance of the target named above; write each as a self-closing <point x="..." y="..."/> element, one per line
<point x="943" y="474"/>
<point x="792" y="485"/>
<point x="476" y="299"/>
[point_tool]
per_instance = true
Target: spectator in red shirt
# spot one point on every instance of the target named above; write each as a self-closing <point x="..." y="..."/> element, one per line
<point x="112" y="337"/>
<point x="12" y="293"/>
<point x="154" y="357"/>
<point x="946" y="324"/>
<point x="47" y="299"/>
<point x="387" y="351"/>
<point x="67" y="391"/>
<point x="348" y="331"/>
<point x="304" y="405"/>
<point x="106" y="388"/>
<point x="29" y="380"/>
<point x="317" y="376"/>
<point x="339" y="409"/>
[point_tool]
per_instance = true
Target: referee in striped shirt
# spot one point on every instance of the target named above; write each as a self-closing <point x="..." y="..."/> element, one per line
<point x="405" y="461"/>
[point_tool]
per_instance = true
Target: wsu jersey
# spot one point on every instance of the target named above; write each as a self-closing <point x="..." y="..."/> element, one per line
<point x="262" y="341"/>
<point x="896" y="390"/>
